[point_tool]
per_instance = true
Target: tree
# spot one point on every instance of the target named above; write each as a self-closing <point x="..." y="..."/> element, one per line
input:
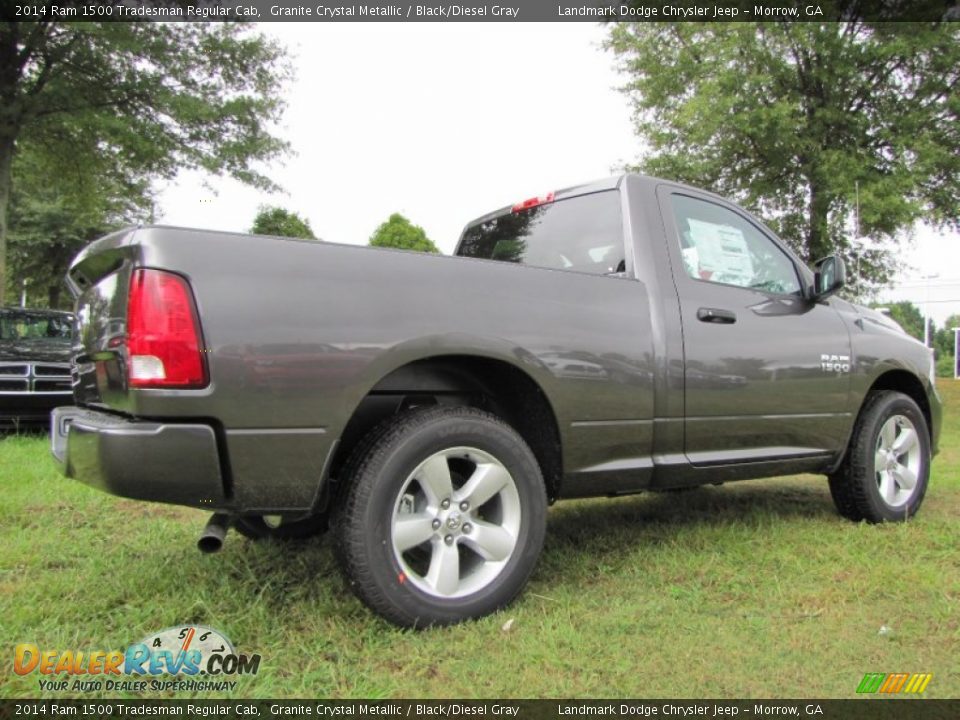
<point x="46" y="233"/>
<point x="54" y="214"/>
<point x="398" y="232"/>
<point x="796" y="119"/>
<point x="143" y="100"/>
<point x="952" y="322"/>
<point x="946" y="365"/>
<point x="943" y="338"/>
<point x="272" y="220"/>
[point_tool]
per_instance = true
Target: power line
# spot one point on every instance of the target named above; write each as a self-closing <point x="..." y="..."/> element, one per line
<point x="931" y="281"/>
<point x="919" y="302"/>
<point x="942" y="283"/>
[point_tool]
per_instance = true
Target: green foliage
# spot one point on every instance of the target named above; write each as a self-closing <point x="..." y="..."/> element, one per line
<point x="54" y="212"/>
<point x="272" y="220"/>
<point x="47" y="233"/>
<point x="953" y="321"/>
<point x="945" y="366"/>
<point x="943" y="338"/>
<point x="790" y="118"/>
<point x="398" y="232"/>
<point x="130" y="102"/>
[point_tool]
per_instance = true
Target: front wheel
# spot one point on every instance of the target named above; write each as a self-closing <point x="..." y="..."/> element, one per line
<point x="885" y="473"/>
<point x="443" y="519"/>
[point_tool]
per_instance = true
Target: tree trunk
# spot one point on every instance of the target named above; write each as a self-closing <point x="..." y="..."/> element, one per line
<point x="6" y="180"/>
<point x="53" y="297"/>
<point x="9" y="76"/>
<point x="818" y="233"/>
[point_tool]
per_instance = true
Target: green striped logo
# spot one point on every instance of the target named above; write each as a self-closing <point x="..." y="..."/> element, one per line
<point x="892" y="683"/>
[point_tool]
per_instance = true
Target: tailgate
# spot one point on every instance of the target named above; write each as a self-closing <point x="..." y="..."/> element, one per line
<point x="99" y="278"/>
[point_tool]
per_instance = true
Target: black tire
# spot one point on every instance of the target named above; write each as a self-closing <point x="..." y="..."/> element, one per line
<point x="856" y="485"/>
<point x="256" y="528"/>
<point x="384" y="489"/>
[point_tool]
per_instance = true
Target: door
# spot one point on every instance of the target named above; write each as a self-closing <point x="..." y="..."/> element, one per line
<point x="756" y="384"/>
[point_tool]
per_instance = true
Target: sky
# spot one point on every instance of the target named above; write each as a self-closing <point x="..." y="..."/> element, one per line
<point x="444" y="122"/>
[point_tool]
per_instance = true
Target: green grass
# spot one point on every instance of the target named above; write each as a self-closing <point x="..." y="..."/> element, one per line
<point x="755" y="589"/>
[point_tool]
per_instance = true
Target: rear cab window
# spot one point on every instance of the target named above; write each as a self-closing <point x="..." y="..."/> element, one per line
<point x="582" y="234"/>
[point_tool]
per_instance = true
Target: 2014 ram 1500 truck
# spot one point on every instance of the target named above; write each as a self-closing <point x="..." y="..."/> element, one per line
<point x="627" y="335"/>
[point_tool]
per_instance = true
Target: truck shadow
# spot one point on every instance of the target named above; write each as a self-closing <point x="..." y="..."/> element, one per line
<point x="650" y="516"/>
<point x="605" y="530"/>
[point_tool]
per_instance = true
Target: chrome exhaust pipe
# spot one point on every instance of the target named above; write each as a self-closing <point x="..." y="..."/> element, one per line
<point x="211" y="539"/>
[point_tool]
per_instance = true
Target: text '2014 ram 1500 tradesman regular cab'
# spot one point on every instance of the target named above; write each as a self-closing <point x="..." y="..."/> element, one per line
<point x="627" y="335"/>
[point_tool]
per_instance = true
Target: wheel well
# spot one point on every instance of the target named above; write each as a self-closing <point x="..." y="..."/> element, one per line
<point x="485" y="383"/>
<point x="908" y="384"/>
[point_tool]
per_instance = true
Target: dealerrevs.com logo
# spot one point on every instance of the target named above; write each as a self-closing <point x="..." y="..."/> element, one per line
<point x="198" y="658"/>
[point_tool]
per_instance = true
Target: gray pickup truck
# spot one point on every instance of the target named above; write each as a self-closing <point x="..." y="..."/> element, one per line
<point x="627" y="335"/>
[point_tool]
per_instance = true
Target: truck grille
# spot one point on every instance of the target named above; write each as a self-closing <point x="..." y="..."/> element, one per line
<point x="51" y="370"/>
<point x="51" y="385"/>
<point x="35" y="378"/>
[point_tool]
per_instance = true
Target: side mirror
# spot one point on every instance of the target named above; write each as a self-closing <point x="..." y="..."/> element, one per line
<point x="829" y="275"/>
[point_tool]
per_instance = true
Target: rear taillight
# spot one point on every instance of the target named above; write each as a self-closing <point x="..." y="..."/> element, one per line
<point x="163" y="333"/>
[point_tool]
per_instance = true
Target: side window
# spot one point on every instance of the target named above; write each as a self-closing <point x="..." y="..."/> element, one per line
<point x="720" y="246"/>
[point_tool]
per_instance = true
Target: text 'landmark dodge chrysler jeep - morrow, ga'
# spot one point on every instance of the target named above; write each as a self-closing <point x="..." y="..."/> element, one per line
<point x="627" y="335"/>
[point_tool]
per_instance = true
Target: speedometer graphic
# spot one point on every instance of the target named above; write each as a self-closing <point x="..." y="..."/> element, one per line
<point x="179" y="650"/>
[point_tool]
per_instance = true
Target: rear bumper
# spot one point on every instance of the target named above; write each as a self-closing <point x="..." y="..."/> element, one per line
<point x="139" y="459"/>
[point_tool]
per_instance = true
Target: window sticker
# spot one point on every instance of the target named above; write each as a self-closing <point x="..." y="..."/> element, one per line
<point x="722" y="253"/>
<point x="691" y="261"/>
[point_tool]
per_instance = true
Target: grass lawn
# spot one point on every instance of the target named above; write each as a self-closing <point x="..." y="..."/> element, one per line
<point x="756" y="589"/>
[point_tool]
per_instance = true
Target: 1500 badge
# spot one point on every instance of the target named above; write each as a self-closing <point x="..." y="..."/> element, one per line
<point x="835" y="363"/>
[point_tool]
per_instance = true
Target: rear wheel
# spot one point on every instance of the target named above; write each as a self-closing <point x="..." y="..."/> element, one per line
<point x="443" y="519"/>
<point x="885" y="473"/>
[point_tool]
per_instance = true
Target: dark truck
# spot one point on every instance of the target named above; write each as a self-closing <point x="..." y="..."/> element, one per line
<point x="34" y="365"/>
<point x="618" y="337"/>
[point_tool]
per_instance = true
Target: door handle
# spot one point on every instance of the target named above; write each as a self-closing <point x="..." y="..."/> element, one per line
<point x="716" y="315"/>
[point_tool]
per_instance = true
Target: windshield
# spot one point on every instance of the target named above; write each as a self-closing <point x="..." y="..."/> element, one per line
<point x="582" y="233"/>
<point x="33" y="326"/>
